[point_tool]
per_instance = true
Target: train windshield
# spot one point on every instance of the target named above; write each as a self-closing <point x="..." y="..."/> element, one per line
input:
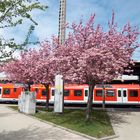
<point x="0" y="91"/>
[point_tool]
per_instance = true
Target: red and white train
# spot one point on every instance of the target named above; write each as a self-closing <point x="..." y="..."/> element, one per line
<point x="114" y="93"/>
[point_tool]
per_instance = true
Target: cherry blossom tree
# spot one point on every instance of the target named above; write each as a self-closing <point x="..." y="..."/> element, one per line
<point x="31" y="67"/>
<point x="91" y="55"/>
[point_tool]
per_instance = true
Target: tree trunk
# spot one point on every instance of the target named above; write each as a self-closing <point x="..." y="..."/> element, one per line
<point x="47" y="95"/>
<point x="29" y="83"/>
<point x="90" y="100"/>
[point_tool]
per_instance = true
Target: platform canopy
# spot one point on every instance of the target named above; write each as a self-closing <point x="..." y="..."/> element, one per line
<point x="127" y="77"/>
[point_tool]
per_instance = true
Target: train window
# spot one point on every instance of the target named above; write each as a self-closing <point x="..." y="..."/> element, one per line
<point x="110" y="93"/>
<point x="99" y="93"/>
<point x="66" y="92"/>
<point x="124" y="93"/>
<point x="86" y="93"/>
<point x="15" y="89"/>
<point x="44" y="92"/>
<point x="133" y="93"/>
<point x="0" y="91"/>
<point x="53" y="91"/>
<point x="6" y="91"/>
<point x="77" y="92"/>
<point x="119" y="93"/>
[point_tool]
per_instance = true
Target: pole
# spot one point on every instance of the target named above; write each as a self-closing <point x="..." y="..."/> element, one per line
<point x="103" y="95"/>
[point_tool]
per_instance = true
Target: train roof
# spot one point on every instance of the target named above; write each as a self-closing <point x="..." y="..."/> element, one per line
<point x="11" y="85"/>
<point x="7" y="84"/>
<point x="126" y="86"/>
<point x="76" y="86"/>
<point x="72" y="86"/>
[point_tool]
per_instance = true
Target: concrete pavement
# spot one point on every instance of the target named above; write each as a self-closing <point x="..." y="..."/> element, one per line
<point x="126" y="124"/>
<point x="16" y="126"/>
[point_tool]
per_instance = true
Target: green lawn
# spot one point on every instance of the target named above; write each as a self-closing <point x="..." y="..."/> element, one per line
<point x="99" y="125"/>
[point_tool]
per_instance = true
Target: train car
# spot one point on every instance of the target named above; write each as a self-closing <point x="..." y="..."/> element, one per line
<point x="124" y="94"/>
<point x="117" y="94"/>
<point x="113" y="94"/>
<point x="10" y="92"/>
<point x="73" y="93"/>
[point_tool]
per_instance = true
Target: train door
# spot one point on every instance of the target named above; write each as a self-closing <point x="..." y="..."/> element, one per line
<point x="85" y="95"/>
<point x="122" y="96"/>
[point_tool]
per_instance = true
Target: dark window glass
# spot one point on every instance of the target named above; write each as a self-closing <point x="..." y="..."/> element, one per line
<point x="124" y="93"/>
<point x="110" y="93"/>
<point x="77" y="92"/>
<point x="99" y="93"/>
<point x="53" y="92"/>
<point x="44" y="92"/>
<point x="15" y="89"/>
<point x="66" y="92"/>
<point x="86" y="93"/>
<point x="6" y="91"/>
<point x="133" y="93"/>
<point x="0" y="90"/>
<point x="119" y="93"/>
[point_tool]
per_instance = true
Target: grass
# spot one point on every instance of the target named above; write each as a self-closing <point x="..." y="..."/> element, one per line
<point x="98" y="126"/>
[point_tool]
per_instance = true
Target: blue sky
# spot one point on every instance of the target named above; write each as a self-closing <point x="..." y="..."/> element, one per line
<point x="125" y="11"/>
